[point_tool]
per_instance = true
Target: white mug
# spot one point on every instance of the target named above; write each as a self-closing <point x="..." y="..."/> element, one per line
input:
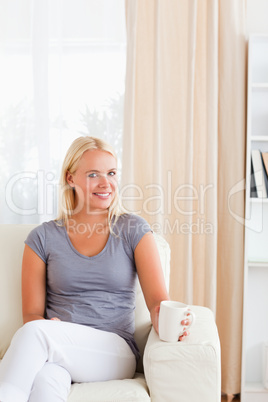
<point x="170" y="316"/>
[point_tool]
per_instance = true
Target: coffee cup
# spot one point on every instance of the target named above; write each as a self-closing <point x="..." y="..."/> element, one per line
<point x="170" y="316"/>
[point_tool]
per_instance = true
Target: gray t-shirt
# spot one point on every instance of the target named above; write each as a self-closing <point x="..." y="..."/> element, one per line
<point x="97" y="291"/>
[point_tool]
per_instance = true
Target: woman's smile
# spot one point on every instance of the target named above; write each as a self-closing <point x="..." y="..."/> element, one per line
<point x="103" y="195"/>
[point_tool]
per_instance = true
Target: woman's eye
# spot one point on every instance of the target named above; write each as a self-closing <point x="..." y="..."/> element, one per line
<point x="92" y="175"/>
<point x="112" y="173"/>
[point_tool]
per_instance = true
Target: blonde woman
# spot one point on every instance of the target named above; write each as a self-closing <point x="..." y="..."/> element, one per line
<point x="78" y="285"/>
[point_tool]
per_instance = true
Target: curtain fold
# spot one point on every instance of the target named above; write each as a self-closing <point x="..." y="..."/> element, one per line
<point x="231" y="160"/>
<point x="184" y="100"/>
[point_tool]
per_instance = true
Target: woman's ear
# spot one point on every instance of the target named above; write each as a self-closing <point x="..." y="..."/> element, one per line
<point x="69" y="179"/>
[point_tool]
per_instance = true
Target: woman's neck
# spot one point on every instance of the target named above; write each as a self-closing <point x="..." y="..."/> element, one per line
<point x="90" y="220"/>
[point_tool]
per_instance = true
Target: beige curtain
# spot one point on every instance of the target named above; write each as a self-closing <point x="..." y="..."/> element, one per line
<point x="184" y="150"/>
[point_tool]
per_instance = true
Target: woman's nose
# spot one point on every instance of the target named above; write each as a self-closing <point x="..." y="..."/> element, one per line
<point x="104" y="182"/>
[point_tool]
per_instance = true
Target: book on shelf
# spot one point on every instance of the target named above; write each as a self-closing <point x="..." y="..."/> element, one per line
<point x="264" y="157"/>
<point x="259" y="178"/>
<point x="253" y="190"/>
<point x="265" y="161"/>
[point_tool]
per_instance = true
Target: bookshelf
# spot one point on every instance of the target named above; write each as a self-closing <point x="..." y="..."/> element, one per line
<point x="255" y="309"/>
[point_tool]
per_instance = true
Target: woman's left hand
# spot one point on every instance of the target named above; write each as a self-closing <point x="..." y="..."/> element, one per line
<point x="185" y="322"/>
<point x="155" y="320"/>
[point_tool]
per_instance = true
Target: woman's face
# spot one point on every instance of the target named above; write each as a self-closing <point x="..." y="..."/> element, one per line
<point x="95" y="181"/>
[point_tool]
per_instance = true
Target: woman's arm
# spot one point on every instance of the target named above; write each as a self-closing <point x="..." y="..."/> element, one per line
<point x="33" y="286"/>
<point x="151" y="278"/>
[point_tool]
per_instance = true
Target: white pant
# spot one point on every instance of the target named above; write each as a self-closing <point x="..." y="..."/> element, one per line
<point x="45" y="356"/>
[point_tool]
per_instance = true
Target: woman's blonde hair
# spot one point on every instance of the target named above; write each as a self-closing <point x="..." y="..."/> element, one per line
<point x="70" y="164"/>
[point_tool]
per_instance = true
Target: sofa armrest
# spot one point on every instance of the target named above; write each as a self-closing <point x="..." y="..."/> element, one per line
<point x="186" y="371"/>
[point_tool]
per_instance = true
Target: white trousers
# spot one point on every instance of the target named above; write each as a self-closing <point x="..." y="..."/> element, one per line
<point x="46" y="356"/>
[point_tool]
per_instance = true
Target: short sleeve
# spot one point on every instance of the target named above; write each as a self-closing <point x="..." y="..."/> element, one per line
<point x="36" y="240"/>
<point x="136" y="228"/>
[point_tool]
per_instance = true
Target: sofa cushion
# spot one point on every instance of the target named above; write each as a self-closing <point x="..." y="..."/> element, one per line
<point x="134" y="390"/>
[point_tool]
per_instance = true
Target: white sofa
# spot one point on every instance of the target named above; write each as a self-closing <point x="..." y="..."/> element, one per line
<point x="187" y="371"/>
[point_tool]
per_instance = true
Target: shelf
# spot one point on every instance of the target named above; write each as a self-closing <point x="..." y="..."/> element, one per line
<point x="255" y="387"/>
<point x="259" y="138"/>
<point x="259" y="85"/>
<point x="258" y="264"/>
<point x="259" y="200"/>
<point x="255" y="392"/>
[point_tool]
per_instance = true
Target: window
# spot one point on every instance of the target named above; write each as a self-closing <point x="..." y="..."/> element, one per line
<point x="62" y="76"/>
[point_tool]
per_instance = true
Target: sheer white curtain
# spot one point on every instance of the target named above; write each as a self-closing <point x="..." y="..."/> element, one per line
<point x="62" y="75"/>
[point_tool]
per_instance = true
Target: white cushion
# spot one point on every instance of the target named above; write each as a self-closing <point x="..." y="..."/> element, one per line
<point x="134" y="390"/>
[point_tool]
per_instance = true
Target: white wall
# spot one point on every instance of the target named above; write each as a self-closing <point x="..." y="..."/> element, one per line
<point x="257" y="16"/>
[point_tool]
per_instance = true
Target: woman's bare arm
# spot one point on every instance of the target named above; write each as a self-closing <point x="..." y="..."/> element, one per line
<point x="33" y="286"/>
<point x="151" y="276"/>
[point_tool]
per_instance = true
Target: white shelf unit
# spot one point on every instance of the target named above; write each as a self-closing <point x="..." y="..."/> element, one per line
<point x="255" y="309"/>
